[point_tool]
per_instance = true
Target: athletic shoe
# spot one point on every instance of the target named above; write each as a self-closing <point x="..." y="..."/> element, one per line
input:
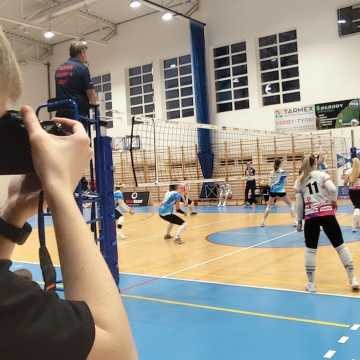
<point x="310" y="287"/>
<point x="219" y="205"/>
<point x="167" y="237"/>
<point x="262" y="224"/>
<point x="354" y="230"/>
<point x="354" y="284"/>
<point x="193" y="213"/>
<point x="178" y="241"/>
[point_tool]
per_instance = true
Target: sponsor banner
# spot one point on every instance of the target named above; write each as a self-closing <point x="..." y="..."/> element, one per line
<point x="295" y="119"/>
<point x="140" y="198"/>
<point x="337" y="114"/>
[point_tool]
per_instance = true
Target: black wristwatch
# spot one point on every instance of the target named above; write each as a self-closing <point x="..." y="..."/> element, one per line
<point x="13" y="233"/>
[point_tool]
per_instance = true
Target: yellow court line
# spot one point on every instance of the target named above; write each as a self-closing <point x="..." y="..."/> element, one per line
<point x="236" y="311"/>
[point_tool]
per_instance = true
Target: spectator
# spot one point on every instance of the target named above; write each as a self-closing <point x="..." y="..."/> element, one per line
<point x="91" y="323"/>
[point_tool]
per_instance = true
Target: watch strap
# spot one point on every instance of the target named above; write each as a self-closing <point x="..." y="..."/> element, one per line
<point x="13" y="233"/>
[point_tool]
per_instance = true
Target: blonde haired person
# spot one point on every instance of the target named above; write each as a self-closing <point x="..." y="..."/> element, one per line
<point x="316" y="198"/>
<point x="352" y="178"/>
<point x="91" y="322"/>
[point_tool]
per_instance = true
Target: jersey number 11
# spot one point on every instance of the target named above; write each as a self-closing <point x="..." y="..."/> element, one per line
<point x="310" y="187"/>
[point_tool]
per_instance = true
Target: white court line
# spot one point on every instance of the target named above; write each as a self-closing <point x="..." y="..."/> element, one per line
<point x="343" y="339"/>
<point x="355" y="327"/>
<point x="226" y="255"/>
<point x="329" y="354"/>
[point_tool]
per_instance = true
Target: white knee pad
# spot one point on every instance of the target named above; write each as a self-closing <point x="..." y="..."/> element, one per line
<point x="121" y="221"/>
<point x="356" y="218"/>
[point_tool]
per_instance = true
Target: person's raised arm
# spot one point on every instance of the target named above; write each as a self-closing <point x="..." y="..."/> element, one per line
<point x="59" y="163"/>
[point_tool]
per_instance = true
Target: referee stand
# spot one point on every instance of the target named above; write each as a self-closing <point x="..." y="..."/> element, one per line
<point x="102" y="198"/>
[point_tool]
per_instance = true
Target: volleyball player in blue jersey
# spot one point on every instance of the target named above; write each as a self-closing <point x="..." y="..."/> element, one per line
<point x="166" y="211"/>
<point x="278" y="180"/>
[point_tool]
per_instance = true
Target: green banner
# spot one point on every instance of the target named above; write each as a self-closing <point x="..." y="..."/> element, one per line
<point x="337" y="114"/>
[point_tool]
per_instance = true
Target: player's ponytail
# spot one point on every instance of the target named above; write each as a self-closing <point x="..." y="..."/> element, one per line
<point x="355" y="172"/>
<point x="277" y="164"/>
<point x="307" y="167"/>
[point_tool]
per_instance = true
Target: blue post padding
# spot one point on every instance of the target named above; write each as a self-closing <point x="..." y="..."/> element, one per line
<point x="206" y="156"/>
<point x="105" y="188"/>
<point x="353" y="152"/>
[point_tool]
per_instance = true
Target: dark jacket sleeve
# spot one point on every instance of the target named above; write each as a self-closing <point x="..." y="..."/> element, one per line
<point x="38" y="325"/>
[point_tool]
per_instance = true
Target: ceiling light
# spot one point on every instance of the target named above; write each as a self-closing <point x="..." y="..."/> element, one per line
<point x="49" y="34"/>
<point x="135" y="4"/>
<point x="84" y="42"/>
<point x="341" y="21"/>
<point x="167" y="16"/>
<point x="173" y="66"/>
<point x="236" y="80"/>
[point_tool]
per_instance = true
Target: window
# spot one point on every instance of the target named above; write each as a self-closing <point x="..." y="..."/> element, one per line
<point x="141" y="90"/>
<point x="231" y="77"/>
<point x="179" y="94"/>
<point x="102" y="85"/>
<point x="279" y="68"/>
<point x="348" y="20"/>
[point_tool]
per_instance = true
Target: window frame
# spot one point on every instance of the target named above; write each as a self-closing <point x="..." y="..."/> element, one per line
<point x="280" y="69"/>
<point x="179" y="88"/>
<point x="142" y="94"/>
<point x="230" y="71"/>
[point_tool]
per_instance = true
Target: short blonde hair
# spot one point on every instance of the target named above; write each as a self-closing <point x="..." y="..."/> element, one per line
<point x="10" y="75"/>
<point x="76" y="48"/>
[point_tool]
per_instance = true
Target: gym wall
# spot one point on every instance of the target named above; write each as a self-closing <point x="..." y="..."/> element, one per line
<point x="329" y="65"/>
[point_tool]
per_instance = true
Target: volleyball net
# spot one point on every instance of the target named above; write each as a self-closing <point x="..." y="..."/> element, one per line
<point x="157" y="153"/>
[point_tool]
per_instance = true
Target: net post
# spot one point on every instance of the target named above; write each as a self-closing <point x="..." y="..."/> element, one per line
<point x="131" y="150"/>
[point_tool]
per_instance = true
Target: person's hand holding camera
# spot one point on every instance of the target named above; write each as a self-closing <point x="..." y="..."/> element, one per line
<point x="59" y="161"/>
<point x="22" y="200"/>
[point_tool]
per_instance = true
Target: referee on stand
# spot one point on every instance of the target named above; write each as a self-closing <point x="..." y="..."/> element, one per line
<point x="73" y="80"/>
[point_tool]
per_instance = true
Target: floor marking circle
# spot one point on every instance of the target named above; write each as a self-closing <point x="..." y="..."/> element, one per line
<point x="248" y="236"/>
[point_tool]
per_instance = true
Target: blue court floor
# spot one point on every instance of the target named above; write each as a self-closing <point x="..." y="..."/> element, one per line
<point x="175" y="319"/>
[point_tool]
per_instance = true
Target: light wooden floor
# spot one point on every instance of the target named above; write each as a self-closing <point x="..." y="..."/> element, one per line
<point x="145" y="252"/>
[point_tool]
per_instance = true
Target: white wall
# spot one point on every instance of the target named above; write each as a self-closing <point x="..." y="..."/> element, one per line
<point x="329" y="66"/>
<point x="35" y="85"/>
<point x="137" y="43"/>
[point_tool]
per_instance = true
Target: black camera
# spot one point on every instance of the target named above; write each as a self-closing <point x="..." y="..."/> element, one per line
<point x="15" y="150"/>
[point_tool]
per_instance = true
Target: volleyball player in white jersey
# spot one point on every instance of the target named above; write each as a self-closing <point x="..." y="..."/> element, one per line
<point x="352" y="178"/>
<point x="278" y="180"/>
<point x="316" y="198"/>
<point x="225" y="193"/>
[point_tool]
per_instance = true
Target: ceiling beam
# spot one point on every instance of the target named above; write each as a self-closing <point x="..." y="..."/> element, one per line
<point x="60" y="9"/>
<point x="41" y="28"/>
<point x="159" y="7"/>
